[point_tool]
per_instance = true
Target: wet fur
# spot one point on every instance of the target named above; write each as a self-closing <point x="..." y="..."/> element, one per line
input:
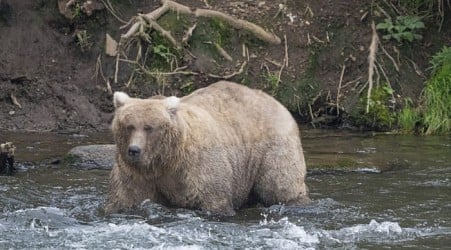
<point x="209" y="150"/>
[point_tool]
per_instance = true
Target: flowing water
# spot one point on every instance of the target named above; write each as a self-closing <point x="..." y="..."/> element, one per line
<point x="396" y="194"/>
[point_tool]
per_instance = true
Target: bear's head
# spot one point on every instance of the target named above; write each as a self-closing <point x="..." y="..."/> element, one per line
<point x="145" y="130"/>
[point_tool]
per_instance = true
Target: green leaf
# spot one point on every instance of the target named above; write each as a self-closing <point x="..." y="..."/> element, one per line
<point x="418" y="36"/>
<point x="386" y="25"/>
<point x="400" y="28"/>
<point x="408" y="36"/>
<point x="382" y="26"/>
<point x="397" y="37"/>
<point x="418" y="25"/>
<point x="388" y="90"/>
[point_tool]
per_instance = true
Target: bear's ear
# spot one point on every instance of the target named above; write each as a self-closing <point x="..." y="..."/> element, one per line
<point x="119" y="99"/>
<point x="172" y="104"/>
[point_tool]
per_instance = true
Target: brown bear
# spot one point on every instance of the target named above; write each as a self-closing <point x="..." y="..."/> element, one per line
<point x="212" y="150"/>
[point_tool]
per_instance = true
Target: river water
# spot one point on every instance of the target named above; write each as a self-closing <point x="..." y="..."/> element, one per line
<point x="389" y="191"/>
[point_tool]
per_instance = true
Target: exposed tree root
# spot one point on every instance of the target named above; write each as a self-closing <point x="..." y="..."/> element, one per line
<point x="339" y="88"/>
<point x="167" y="5"/>
<point x="141" y="25"/>
<point x="371" y="64"/>
<point x="240" y="71"/>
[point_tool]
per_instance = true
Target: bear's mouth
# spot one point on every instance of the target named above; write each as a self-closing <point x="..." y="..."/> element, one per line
<point x="133" y="160"/>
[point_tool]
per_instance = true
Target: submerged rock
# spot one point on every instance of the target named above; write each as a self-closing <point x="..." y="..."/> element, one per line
<point x="92" y="156"/>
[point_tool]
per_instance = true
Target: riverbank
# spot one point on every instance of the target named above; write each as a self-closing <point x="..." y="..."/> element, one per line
<point x="55" y="75"/>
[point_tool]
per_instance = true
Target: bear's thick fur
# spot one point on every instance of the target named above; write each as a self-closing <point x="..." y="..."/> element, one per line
<point x="212" y="150"/>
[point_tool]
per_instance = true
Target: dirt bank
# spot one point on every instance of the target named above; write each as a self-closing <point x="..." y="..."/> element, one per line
<point x="47" y="78"/>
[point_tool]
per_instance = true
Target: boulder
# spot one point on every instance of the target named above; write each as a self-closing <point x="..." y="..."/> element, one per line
<point x="92" y="156"/>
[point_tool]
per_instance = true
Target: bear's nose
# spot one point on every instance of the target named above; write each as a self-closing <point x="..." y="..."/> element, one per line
<point x="133" y="150"/>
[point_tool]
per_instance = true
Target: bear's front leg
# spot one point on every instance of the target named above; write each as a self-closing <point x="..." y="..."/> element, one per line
<point x="218" y="206"/>
<point x="127" y="190"/>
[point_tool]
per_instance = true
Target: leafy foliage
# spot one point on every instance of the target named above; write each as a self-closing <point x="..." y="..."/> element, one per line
<point x="435" y="115"/>
<point x="437" y="95"/>
<point x="380" y="115"/>
<point x="404" y="28"/>
<point x="409" y="119"/>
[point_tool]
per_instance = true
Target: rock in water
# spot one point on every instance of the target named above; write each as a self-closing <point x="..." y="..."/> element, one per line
<point x="92" y="156"/>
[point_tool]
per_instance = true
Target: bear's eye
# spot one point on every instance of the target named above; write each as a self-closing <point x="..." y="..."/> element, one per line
<point x="130" y="128"/>
<point x="148" y="128"/>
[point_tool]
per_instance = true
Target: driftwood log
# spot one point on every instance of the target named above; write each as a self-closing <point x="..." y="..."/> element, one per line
<point x="7" y="158"/>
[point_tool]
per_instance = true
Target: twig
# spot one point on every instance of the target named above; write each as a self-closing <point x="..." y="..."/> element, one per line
<point x="371" y="59"/>
<point x="311" y="114"/>
<point x="110" y="8"/>
<point x="98" y="70"/>
<point x="223" y="52"/>
<point x="308" y="10"/>
<point x="175" y="72"/>
<point x="383" y="11"/>
<point x="162" y="31"/>
<point x="15" y="101"/>
<point x="279" y="75"/>
<point x="116" y="72"/>
<point x="188" y="34"/>
<point x="70" y="3"/>
<point x="379" y="65"/>
<point x="317" y="39"/>
<point x="339" y="88"/>
<point x="390" y="57"/>
<point x="388" y="82"/>
<point x="232" y="74"/>
<point x="362" y="88"/>
<point x="130" y="79"/>
<point x="206" y="3"/>
<point x="378" y="76"/>
<point x="389" y="3"/>
<point x="286" y="49"/>
<point x="415" y="67"/>
<point x="274" y="62"/>
<point x="351" y="82"/>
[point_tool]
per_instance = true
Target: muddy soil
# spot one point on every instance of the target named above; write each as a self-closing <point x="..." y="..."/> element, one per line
<point x="48" y="82"/>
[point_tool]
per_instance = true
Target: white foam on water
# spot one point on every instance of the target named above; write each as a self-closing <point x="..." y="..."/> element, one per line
<point x="366" y="150"/>
<point x="436" y="183"/>
<point x="283" y="234"/>
<point x="197" y="233"/>
<point x="368" y="170"/>
<point x="137" y="235"/>
<point x="372" y="232"/>
<point x="47" y="210"/>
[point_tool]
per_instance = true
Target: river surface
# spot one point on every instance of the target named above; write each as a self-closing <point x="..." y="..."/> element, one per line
<point x="389" y="191"/>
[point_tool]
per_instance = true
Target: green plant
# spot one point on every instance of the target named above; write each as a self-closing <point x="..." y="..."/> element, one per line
<point x="437" y="95"/>
<point x="272" y="81"/>
<point x="404" y="28"/>
<point x="82" y="38"/>
<point x="164" y="52"/>
<point x="409" y="118"/>
<point x="428" y="9"/>
<point x="187" y="87"/>
<point x="380" y="115"/>
<point x="77" y="10"/>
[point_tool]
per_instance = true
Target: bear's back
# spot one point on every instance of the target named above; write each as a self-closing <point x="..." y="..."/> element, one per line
<point x="243" y="107"/>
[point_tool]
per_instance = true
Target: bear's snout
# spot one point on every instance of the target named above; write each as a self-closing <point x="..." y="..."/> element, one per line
<point x="133" y="151"/>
